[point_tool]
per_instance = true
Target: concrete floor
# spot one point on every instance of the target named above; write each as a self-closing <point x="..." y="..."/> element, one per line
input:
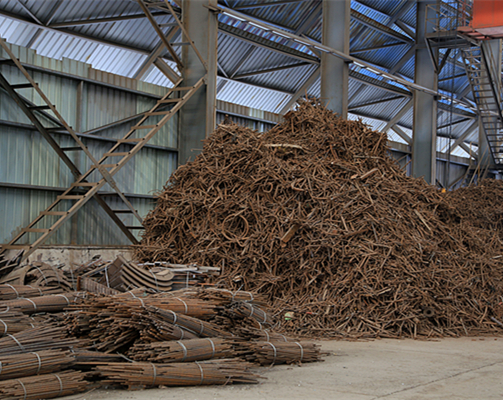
<point x="467" y="368"/>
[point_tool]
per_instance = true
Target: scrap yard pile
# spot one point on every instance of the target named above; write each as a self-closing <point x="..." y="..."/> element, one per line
<point x="316" y="216"/>
<point x="56" y="341"/>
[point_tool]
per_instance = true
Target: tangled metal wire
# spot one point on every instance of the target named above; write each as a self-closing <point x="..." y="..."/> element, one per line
<point x="315" y="215"/>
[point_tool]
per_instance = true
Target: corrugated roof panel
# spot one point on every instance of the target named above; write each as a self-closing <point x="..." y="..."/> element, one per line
<point x="289" y="80"/>
<point x="252" y="96"/>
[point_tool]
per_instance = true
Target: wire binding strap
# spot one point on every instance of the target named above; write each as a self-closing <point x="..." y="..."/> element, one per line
<point x="106" y="275"/>
<point x="212" y="347"/>
<point x="24" y="389"/>
<point x="13" y="288"/>
<point x="301" y="351"/>
<point x="55" y="272"/>
<point x="5" y="327"/>
<point x="252" y="309"/>
<point x="17" y="341"/>
<point x="1" y="367"/>
<point x="182" y="331"/>
<point x="155" y="373"/>
<point x="184" y="303"/>
<point x="184" y="351"/>
<point x="275" y="352"/>
<point x="202" y="373"/>
<point x="202" y="328"/>
<point x="267" y="336"/>
<point x="66" y="298"/>
<point x="39" y="363"/>
<point x="32" y="302"/>
<point x="60" y="385"/>
<point x="43" y="276"/>
<point x="265" y="317"/>
<point x="155" y="278"/>
<point x="284" y="337"/>
<point x="137" y="298"/>
<point x="39" y="291"/>
<point x="174" y="316"/>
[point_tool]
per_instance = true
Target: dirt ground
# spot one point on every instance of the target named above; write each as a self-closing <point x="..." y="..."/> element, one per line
<point x="467" y="368"/>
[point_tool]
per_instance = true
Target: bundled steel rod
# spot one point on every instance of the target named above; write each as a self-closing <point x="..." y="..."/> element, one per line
<point x="226" y="297"/>
<point x="35" y="363"/>
<point x="52" y="303"/>
<point x="14" y="321"/>
<point x="194" y="325"/>
<point x="35" y="340"/>
<point x="183" y="350"/>
<point x="178" y="374"/>
<point x="251" y="311"/>
<point x="274" y="353"/>
<point x="11" y="292"/>
<point x="45" y="386"/>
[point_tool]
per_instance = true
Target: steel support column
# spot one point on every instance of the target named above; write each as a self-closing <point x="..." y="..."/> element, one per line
<point x="198" y="116"/>
<point x="493" y="51"/>
<point x="424" y="140"/>
<point x="334" y="71"/>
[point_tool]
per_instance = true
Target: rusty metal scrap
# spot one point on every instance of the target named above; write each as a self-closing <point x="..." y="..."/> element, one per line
<point x="315" y="215"/>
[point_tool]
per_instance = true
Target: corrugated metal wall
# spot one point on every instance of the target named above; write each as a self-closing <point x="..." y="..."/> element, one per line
<point x="28" y="162"/>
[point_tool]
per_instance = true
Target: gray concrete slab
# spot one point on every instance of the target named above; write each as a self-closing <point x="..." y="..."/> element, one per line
<point x="466" y="368"/>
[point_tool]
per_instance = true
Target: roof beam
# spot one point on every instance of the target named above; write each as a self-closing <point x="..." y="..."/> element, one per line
<point x="271" y="4"/>
<point x="302" y="90"/>
<point x="400" y="132"/>
<point x="269" y="70"/>
<point x="103" y="20"/>
<point x="466" y="133"/>
<point x="75" y="34"/>
<point x="383" y="46"/>
<point x="385" y="30"/>
<point x="371" y="103"/>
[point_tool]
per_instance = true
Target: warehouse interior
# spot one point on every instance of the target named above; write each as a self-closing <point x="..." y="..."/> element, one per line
<point x="267" y="169"/>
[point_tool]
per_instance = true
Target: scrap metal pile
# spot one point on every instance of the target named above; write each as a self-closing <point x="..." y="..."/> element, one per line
<point x="316" y="216"/>
<point x="55" y="341"/>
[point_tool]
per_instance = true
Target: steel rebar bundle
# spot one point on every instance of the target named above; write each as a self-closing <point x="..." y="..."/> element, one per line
<point x="11" y="292"/>
<point x="45" y="386"/>
<point x="51" y="303"/>
<point x="35" y="340"/>
<point x="183" y="350"/>
<point x="35" y="363"/>
<point x="14" y="321"/>
<point x="274" y="352"/>
<point x="220" y="372"/>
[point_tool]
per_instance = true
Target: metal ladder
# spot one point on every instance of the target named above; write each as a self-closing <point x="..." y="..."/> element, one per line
<point x="81" y="191"/>
<point x="487" y="97"/>
<point x="34" y="113"/>
<point x="165" y="6"/>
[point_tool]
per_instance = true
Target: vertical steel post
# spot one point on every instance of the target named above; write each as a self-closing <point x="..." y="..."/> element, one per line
<point x="198" y="115"/>
<point x="424" y="140"/>
<point x="79" y="127"/>
<point x="334" y="71"/>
